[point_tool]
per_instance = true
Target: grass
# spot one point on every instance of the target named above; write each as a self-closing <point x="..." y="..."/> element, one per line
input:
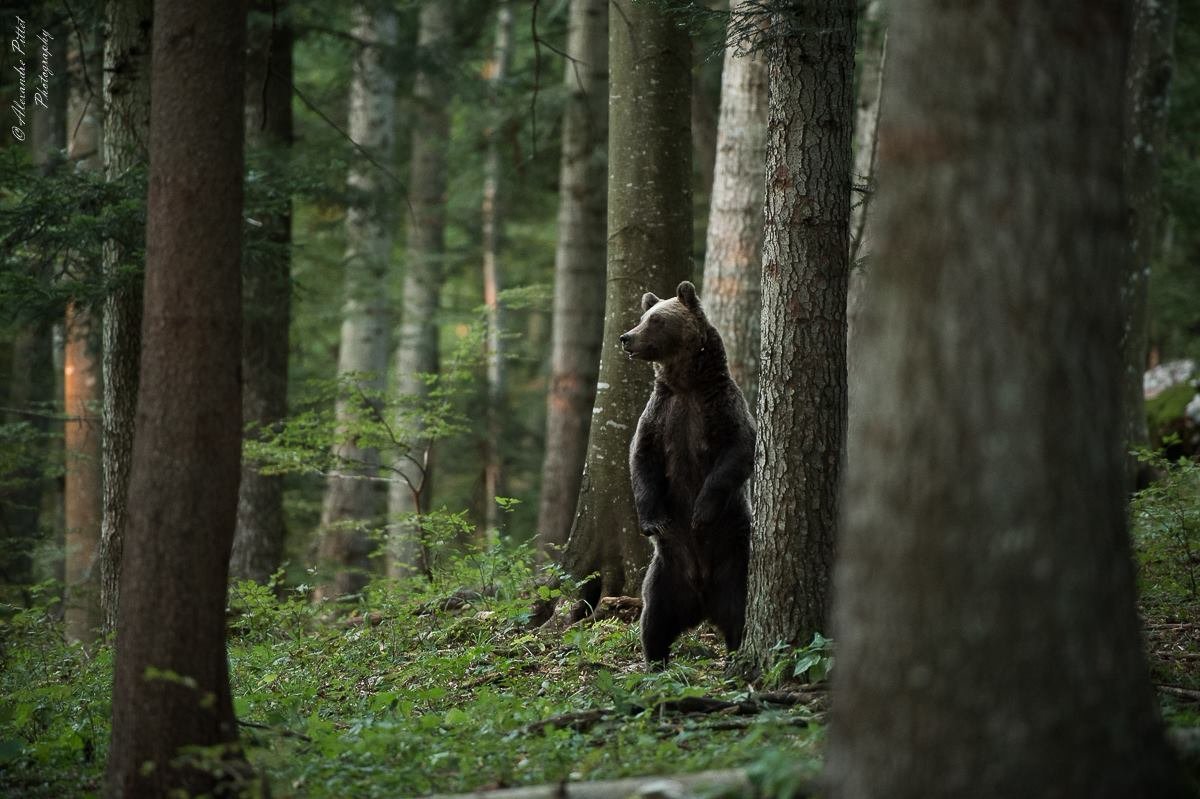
<point x="419" y="688"/>
<point x="406" y="698"/>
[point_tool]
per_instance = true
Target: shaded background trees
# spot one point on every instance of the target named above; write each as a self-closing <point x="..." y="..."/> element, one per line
<point x="418" y="346"/>
<point x="649" y="247"/>
<point x="258" y="545"/>
<point x="733" y="249"/>
<point x="353" y="499"/>
<point x="579" y="269"/>
<point x="82" y="386"/>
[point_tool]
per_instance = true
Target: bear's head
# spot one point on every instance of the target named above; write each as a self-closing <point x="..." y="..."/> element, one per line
<point x="669" y="330"/>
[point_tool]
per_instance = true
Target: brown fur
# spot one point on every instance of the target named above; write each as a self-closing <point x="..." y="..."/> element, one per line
<point x="689" y="461"/>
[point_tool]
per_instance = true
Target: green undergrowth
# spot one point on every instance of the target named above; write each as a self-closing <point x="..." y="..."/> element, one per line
<point x="1166" y="533"/>
<point x="415" y="688"/>
<point x="427" y="687"/>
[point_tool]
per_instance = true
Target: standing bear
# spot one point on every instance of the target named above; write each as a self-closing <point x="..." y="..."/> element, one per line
<point x="689" y="460"/>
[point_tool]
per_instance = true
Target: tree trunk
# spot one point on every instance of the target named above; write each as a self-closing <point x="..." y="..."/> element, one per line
<point x="649" y="249"/>
<point x="579" y="264"/>
<point x="171" y="680"/>
<point x="802" y="392"/>
<point x="126" y="142"/>
<point x="417" y="349"/>
<point x="988" y="644"/>
<point x="354" y="500"/>
<point x="30" y="393"/>
<point x="733" y="253"/>
<point x="704" y="127"/>
<point x="492" y="234"/>
<point x="1147" y="90"/>
<point x="258" y="543"/>
<point x="873" y="48"/>
<point x="81" y="378"/>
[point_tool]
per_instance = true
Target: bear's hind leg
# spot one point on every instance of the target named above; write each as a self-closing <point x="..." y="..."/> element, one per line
<point x="664" y="608"/>
<point x="727" y="604"/>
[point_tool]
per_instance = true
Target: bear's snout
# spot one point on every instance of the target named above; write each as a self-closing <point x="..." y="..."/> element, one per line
<point x="627" y="343"/>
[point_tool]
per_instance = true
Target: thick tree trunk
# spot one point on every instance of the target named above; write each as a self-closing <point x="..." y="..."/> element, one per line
<point x="171" y="681"/>
<point x="417" y="348"/>
<point x="733" y="253"/>
<point x="1147" y="90"/>
<point x="492" y="234"/>
<point x="126" y="143"/>
<point x="579" y="264"/>
<point x="354" y="499"/>
<point x="988" y="644"/>
<point x="82" y="380"/>
<point x="649" y="249"/>
<point x="872" y="36"/>
<point x="802" y="390"/>
<point x="258" y="543"/>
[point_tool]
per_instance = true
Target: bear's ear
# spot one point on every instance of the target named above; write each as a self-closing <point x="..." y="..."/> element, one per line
<point x="687" y="295"/>
<point x="649" y="301"/>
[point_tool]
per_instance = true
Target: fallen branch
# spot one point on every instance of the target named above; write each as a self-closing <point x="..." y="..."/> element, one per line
<point x="579" y="614"/>
<point x="285" y="733"/>
<point x="1180" y="691"/>
<point x="735" y="723"/>
<point x="790" y="698"/>
<point x="581" y="720"/>
<point x="727" y="782"/>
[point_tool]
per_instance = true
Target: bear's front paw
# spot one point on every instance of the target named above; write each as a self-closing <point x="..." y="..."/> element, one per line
<point x="653" y="528"/>
<point x="705" y="512"/>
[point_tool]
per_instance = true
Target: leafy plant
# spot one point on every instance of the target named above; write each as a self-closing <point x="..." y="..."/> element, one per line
<point x="1166" y="531"/>
<point x="812" y="662"/>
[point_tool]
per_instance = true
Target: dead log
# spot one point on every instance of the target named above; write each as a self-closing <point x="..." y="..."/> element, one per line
<point x="726" y="783"/>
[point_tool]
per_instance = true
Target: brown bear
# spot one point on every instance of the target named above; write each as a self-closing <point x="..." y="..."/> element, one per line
<point x="689" y="462"/>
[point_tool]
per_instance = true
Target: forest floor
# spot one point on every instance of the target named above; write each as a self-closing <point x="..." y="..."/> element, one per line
<point x="424" y="688"/>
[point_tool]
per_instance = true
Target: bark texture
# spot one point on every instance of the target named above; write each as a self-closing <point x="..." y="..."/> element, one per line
<point x="82" y="492"/>
<point x="354" y="499"/>
<point x="258" y="543"/>
<point x="988" y="644"/>
<point x="579" y="264"/>
<point x="649" y="249"/>
<point x="171" y="681"/>
<point x="1147" y="90"/>
<point x="126" y="147"/>
<point x="872" y="38"/>
<point x="802" y="390"/>
<point x="493" y="232"/>
<point x="417" y="348"/>
<point x="82" y="393"/>
<point x="733" y="253"/>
